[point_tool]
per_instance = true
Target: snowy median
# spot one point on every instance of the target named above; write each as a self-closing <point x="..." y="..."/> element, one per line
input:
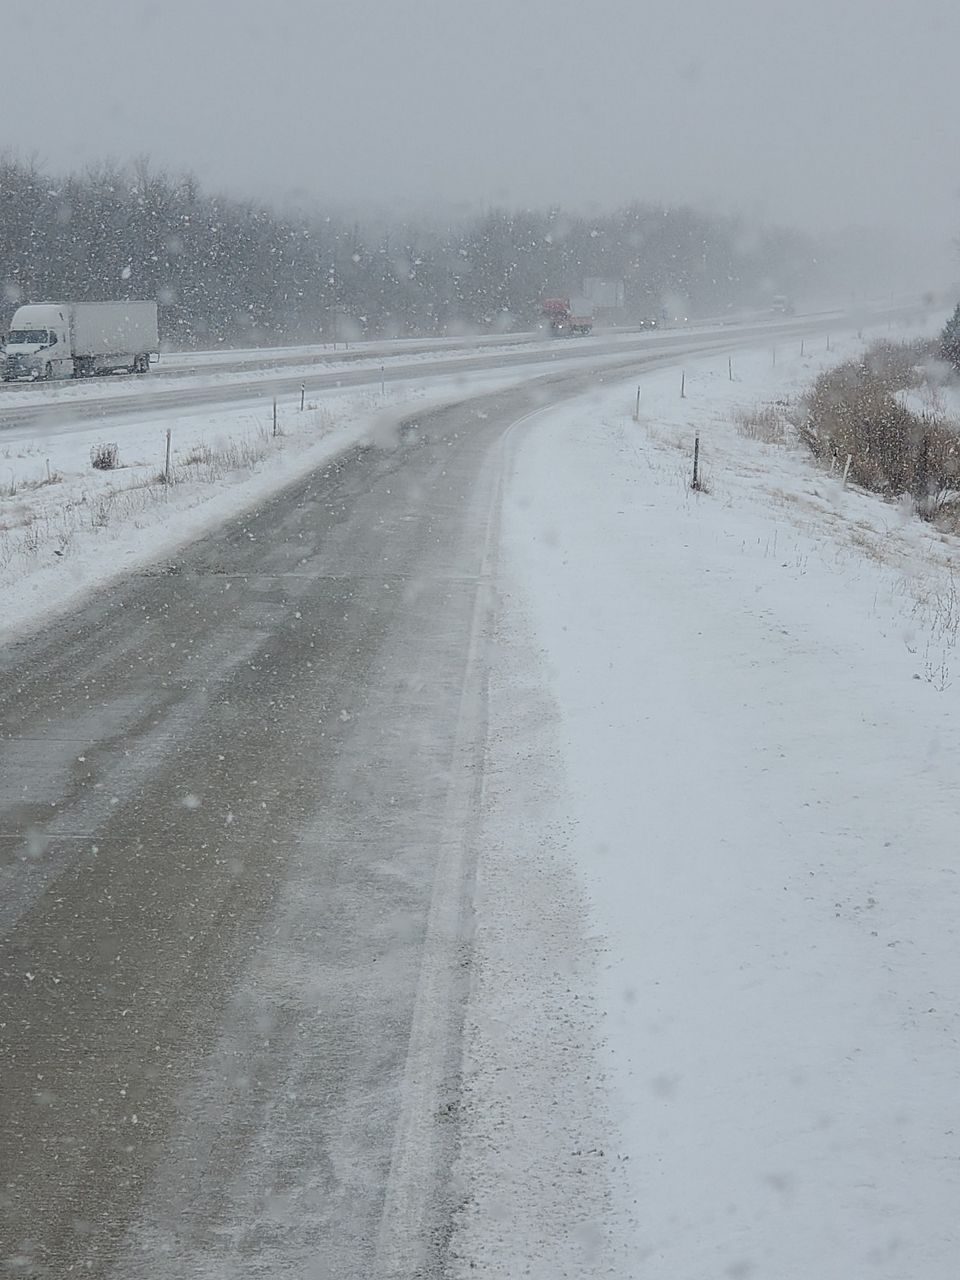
<point x="715" y="1011"/>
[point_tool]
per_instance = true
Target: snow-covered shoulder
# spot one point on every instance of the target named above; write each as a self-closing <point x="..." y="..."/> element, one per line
<point x="714" y="1022"/>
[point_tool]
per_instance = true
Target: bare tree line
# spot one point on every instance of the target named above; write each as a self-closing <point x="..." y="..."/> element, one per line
<point x="234" y="271"/>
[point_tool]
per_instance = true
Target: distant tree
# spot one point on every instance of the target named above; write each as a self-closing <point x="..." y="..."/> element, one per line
<point x="232" y="271"/>
<point x="950" y="339"/>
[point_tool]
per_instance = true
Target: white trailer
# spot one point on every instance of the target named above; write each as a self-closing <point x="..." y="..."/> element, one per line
<point x="76" y="339"/>
<point x="113" y="335"/>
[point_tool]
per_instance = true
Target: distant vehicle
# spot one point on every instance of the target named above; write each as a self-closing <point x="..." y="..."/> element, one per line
<point x="782" y="306"/>
<point x="568" y="316"/>
<point x="77" y="339"/>
<point x="649" y="322"/>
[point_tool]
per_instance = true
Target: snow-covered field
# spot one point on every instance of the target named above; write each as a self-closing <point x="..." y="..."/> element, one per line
<point x="716" y="1018"/>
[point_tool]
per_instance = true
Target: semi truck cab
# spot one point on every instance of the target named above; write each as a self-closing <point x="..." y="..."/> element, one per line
<point x="38" y="344"/>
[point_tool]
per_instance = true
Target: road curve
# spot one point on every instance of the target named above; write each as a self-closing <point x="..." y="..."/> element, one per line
<point x="236" y="797"/>
<point x="224" y="790"/>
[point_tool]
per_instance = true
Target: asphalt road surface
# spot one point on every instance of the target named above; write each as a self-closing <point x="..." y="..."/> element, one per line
<point x="225" y="788"/>
<point x="237" y="797"/>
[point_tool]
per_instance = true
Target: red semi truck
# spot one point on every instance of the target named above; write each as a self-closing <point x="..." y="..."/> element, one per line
<point x="567" y="315"/>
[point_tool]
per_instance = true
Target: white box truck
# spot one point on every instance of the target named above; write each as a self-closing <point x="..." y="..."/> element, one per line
<point x="77" y="339"/>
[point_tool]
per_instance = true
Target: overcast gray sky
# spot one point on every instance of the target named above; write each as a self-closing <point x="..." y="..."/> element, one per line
<point x="811" y="112"/>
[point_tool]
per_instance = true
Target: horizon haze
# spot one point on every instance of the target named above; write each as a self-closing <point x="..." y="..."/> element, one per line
<point x="821" y="117"/>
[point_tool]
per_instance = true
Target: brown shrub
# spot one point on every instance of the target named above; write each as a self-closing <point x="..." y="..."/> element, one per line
<point x="763" y="423"/>
<point x="105" y="457"/>
<point x="853" y="411"/>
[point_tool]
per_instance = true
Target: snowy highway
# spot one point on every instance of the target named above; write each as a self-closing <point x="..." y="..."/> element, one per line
<point x="240" y="792"/>
<point x="479" y="642"/>
<point x="227" y="788"/>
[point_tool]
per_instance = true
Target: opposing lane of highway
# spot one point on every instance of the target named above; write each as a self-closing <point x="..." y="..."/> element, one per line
<point x="64" y="407"/>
